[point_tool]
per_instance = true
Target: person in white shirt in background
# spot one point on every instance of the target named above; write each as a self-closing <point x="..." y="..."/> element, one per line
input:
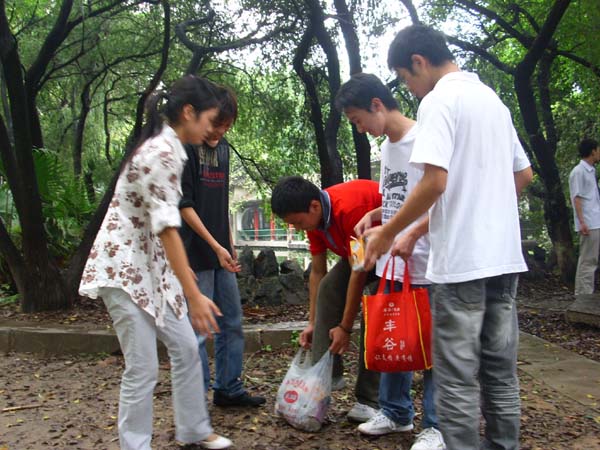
<point x="585" y="199"/>
<point x="474" y="167"/>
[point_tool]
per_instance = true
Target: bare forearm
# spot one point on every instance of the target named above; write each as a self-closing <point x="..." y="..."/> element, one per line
<point x="356" y="285"/>
<point x="314" y="280"/>
<point x="231" y="241"/>
<point x="421" y="228"/>
<point x="579" y="210"/>
<point x="522" y="179"/>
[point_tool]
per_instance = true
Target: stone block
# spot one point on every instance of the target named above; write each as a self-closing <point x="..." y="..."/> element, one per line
<point x="246" y="260"/>
<point x="252" y="341"/>
<point x="5" y="340"/>
<point x="276" y="338"/>
<point x="265" y="264"/>
<point x="269" y="292"/>
<point x="585" y="309"/>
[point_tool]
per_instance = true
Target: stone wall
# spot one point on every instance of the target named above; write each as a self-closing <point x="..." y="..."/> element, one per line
<point x="264" y="282"/>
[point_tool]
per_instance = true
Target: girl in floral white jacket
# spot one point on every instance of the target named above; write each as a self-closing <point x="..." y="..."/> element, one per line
<point x="139" y="267"/>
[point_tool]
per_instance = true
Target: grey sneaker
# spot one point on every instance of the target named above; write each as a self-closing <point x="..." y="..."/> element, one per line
<point x="380" y="424"/>
<point x="429" y="439"/>
<point x="361" y="413"/>
<point x="337" y="384"/>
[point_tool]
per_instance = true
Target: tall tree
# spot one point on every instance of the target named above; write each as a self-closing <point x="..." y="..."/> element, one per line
<point x="362" y="145"/>
<point x="35" y="273"/>
<point x="325" y="129"/>
<point x="40" y="283"/>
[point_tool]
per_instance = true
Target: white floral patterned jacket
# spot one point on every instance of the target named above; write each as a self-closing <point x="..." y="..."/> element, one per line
<point x="127" y="252"/>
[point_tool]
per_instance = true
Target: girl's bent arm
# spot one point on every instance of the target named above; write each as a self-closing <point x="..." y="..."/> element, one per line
<point x="202" y="309"/>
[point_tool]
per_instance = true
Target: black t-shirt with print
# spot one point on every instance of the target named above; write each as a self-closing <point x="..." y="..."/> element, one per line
<point x="206" y="189"/>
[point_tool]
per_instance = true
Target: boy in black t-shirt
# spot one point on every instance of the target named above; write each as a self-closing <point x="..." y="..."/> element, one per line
<point x="207" y="236"/>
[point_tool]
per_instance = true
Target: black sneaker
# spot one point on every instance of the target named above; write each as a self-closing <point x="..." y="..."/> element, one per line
<point x="244" y="399"/>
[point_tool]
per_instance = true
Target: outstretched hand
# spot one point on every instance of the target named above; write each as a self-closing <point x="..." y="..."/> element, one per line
<point x="202" y="312"/>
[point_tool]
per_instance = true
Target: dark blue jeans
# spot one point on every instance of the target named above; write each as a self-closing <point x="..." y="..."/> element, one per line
<point x="394" y="392"/>
<point x="221" y="286"/>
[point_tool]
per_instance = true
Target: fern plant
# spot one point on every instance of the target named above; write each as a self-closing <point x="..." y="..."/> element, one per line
<point x="65" y="205"/>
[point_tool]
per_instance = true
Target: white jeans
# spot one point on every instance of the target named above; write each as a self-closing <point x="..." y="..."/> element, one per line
<point x="137" y="333"/>
<point x="589" y="246"/>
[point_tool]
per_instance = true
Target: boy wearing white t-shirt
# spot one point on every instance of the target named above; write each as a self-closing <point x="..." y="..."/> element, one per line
<point x="474" y="167"/>
<point x="372" y="108"/>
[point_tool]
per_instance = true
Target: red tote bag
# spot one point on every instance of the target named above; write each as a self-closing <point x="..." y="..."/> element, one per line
<point x="397" y="327"/>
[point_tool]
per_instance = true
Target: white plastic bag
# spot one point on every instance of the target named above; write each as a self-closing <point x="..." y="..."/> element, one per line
<point x="305" y="393"/>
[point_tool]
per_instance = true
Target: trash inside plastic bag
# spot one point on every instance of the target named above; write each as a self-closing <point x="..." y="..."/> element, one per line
<point x="305" y="393"/>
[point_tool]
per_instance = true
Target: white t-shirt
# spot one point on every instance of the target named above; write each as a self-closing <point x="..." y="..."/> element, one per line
<point x="583" y="184"/>
<point x="398" y="178"/>
<point x="474" y="230"/>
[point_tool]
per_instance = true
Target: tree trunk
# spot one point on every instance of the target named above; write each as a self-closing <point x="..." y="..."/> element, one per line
<point x="556" y="211"/>
<point x="41" y="286"/>
<point x="362" y="146"/>
<point x="326" y="136"/>
<point x="328" y="177"/>
<point x="80" y="128"/>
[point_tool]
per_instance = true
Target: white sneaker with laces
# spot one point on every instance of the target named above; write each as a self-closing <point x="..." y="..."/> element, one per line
<point x="429" y="439"/>
<point x="380" y="424"/>
<point x="361" y="413"/>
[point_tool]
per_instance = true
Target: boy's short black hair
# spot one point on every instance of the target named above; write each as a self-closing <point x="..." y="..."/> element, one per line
<point x="293" y="195"/>
<point x="360" y="90"/>
<point x="418" y="40"/>
<point x="228" y="107"/>
<point x="587" y="146"/>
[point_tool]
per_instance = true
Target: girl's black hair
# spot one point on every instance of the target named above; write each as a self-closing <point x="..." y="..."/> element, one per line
<point x="188" y="90"/>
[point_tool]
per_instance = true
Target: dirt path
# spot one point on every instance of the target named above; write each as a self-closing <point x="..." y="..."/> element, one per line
<point x="71" y="403"/>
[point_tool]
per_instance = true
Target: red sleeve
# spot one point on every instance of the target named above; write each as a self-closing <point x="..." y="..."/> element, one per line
<point x="316" y="242"/>
<point x="348" y="223"/>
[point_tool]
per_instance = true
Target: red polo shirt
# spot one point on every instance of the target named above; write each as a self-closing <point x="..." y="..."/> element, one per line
<point x="349" y="203"/>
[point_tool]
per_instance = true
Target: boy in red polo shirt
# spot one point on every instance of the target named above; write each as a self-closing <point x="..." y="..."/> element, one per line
<point x="329" y="216"/>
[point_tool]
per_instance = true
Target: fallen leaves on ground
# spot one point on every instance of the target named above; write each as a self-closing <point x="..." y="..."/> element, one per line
<point x="79" y="403"/>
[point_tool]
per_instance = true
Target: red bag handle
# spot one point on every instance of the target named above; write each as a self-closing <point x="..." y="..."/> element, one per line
<point x="405" y="282"/>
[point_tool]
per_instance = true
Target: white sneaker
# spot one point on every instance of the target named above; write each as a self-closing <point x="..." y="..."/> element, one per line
<point x="380" y="424"/>
<point x="429" y="439"/>
<point x="337" y="384"/>
<point x="217" y="443"/>
<point x="361" y="413"/>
